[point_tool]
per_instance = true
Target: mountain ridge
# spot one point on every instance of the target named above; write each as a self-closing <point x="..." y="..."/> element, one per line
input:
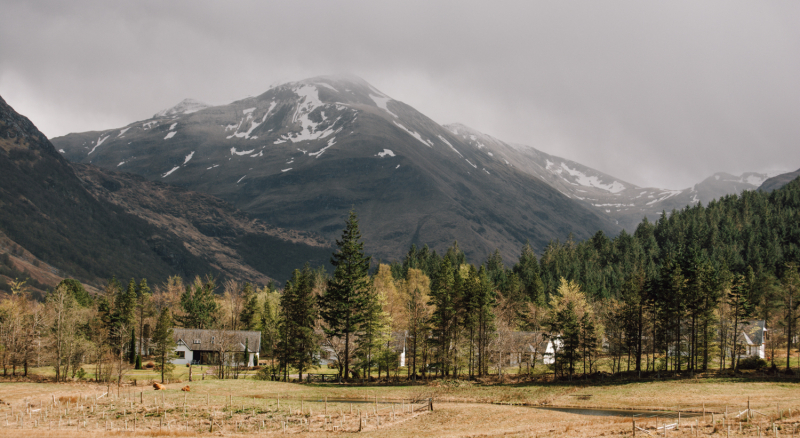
<point x="93" y="223"/>
<point x="622" y="201"/>
<point x="302" y="154"/>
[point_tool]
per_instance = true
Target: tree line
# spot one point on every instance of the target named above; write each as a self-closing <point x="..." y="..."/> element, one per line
<point x="673" y="296"/>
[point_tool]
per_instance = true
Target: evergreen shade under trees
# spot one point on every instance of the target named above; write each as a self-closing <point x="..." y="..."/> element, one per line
<point x="344" y="303"/>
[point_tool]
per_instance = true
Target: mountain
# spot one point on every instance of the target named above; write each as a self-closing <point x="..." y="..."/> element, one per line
<point x="186" y="106"/>
<point x="93" y="224"/>
<point x="779" y="181"/>
<point x="302" y="154"/>
<point x="624" y="202"/>
<point x="230" y="241"/>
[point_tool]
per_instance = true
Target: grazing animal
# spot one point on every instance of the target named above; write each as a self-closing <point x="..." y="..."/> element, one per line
<point x="159" y="387"/>
<point x="185" y="388"/>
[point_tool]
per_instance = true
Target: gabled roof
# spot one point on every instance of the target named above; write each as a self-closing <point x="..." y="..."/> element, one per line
<point x="212" y="340"/>
<point x="753" y="332"/>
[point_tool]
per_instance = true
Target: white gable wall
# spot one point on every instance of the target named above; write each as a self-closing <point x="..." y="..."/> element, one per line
<point x="187" y="355"/>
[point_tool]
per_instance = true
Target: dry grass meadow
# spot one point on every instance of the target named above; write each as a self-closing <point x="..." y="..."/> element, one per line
<point x="247" y="407"/>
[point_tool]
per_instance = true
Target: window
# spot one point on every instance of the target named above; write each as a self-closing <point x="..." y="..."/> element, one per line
<point x="180" y="354"/>
<point x="196" y="341"/>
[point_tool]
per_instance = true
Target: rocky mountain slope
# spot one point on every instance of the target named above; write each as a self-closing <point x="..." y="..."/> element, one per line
<point x="231" y="241"/>
<point x="302" y="154"/>
<point x="779" y="181"/>
<point x="93" y="224"/>
<point x="622" y="201"/>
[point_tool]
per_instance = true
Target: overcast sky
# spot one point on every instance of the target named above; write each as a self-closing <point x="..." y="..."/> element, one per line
<point x="656" y="93"/>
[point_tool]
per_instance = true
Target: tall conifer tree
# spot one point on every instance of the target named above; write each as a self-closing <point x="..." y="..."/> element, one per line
<point x="344" y="303"/>
<point x="164" y="343"/>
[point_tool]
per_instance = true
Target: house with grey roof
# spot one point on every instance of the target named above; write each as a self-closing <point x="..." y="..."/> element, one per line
<point x="204" y="347"/>
<point x="753" y="336"/>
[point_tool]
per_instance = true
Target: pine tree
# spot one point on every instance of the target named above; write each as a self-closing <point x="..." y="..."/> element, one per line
<point x="198" y="305"/>
<point x="417" y="286"/>
<point x="569" y="336"/>
<point x="344" y="303"/>
<point x="297" y="343"/>
<point x="528" y="271"/>
<point x="791" y="307"/>
<point x="144" y="309"/>
<point x="486" y="300"/>
<point x="268" y="324"/>
<point x="132" y="348"/>
<point x="374" y="330"/>
<point x="740" y="310"/>
<point x="78" y="291"/>
<point x="444" y="320"/>
<point x="164" y="343"/>
<point x="249" y="315"/>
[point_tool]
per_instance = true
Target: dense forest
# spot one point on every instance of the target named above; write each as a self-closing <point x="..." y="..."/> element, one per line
<point x="674" y="296"/>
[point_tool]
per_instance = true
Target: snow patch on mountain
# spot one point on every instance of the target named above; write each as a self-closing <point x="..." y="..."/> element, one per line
<point x="269" y="110"/>
<point x="381" y="103"/>
<point x="323" y="84"/>
<point x="248" y="116"/>
<point x="386" y="152"/>
<point x="123" y="131"/>
<point x="451" y="146"/>
<point x="170" y="172"/>
<point x="754" y="179"/>
<point x="188" y="157"/>
<point x="235" y="152"/>
<point x="100" y="141"/>
<point x="309" y="101"/>
<point x="170" y="135"/>
<point x="317" y="154"/>
<point x="414" y="134"/>
<point x="666" y="194"/>
<point x="591" y="181"/>
<point x="186" y="106"/>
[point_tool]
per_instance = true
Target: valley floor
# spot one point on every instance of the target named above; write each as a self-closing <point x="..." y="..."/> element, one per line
<point x="247" y="407"/>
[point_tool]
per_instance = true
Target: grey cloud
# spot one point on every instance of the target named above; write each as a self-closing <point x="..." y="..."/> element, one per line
<point x="655" y="93"/>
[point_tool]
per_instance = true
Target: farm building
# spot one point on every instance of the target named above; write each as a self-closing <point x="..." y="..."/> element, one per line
<point x="203" y="347"/>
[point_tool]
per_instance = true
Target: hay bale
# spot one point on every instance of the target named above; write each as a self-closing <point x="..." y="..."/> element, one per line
<point x="158" y="386"/>
<point x="185" y="388"/>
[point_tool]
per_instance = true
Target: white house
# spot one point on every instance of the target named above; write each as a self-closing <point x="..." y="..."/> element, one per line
<point x="549" y="355"/>
<point x="202" y="347"/>
<point x="753" y="337"/>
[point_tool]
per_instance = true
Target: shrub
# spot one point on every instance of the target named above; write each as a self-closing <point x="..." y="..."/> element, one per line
<point x="752" y="363"/>
<point x="150" y="365"/>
